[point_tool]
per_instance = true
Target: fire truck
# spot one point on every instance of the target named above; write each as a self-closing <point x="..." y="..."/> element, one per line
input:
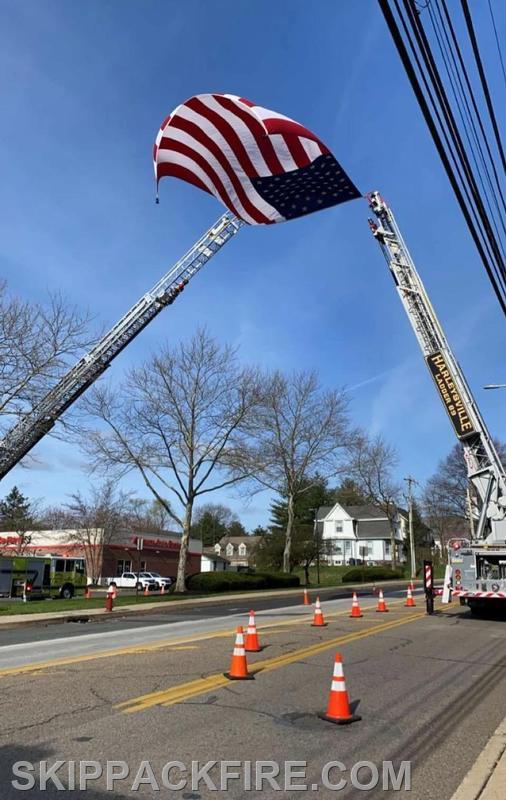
<point x="36" y="577"/>
<point x="476" y="572"/>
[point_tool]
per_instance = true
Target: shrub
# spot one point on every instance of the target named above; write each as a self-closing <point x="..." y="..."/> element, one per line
<point x="358" y="574"/>
<point x="236" y="581"/>
<point x="279" y="580"/>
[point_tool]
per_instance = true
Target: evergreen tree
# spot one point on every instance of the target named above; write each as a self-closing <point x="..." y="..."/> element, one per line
<point x="349" y="493"/>
<point x="236" y="528"/>
<point x="16" y="514"/>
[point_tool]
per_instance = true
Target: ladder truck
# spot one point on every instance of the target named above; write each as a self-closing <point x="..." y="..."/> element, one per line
<point x="476" y="571"/>
<point x="39" y="420"/>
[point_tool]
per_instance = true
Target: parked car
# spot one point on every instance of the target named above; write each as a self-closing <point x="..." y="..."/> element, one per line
<point x="129" y="580"/>
<point x="160" y="580"/>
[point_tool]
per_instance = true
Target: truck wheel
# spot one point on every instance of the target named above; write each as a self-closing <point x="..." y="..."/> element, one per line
<point x="67" y="591"/>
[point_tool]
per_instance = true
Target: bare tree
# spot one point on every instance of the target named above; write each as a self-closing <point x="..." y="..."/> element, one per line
<point x="448" y="496"/>
<point x="372" y="468"/>
<point x="94" y="522"/>
<point x="180" y="421"/>
<point x="303" y="436"/>
<point x="148" y="515"/>
<point x="37" y="343"/>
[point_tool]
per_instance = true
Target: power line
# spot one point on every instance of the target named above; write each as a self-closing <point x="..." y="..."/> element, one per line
<point x="481" y="72"/>
<point x="423" y="74"/>
<point x="499" y="50"/>
<point x="469" y="126"/>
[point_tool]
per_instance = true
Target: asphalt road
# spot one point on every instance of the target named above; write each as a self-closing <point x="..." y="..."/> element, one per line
<point x="430" y="690"/>
<point x="170" y="614"/>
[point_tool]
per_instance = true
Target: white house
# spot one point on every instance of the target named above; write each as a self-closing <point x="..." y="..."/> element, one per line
<point x="238" y="550"/>
<point x="352" y="534"/>
<point x="212" y="561"/>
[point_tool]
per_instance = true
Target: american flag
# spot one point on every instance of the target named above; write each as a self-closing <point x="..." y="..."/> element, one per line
<point x="263" y="166"/>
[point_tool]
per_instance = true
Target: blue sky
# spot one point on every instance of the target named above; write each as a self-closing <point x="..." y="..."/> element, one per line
<point x="84" y="87"/>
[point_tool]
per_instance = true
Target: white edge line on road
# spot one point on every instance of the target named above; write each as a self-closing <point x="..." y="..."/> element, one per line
<point x="480" y="780"/>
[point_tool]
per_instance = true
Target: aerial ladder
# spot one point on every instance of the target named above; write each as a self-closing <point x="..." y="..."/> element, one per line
<point x="477" y="566"/>
<point x="36" y="422"/>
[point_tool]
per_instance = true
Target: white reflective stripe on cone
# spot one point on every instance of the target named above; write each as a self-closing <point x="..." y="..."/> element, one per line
<point x="338" y="686"/>
<point x="338" y="670"/>
<point x="239" y="651"/>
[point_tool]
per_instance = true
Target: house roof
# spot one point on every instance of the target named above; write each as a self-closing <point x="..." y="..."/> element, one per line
<point x="323" y="511"/>
<point x="210" y="552"/>
<point x="237" y="540"/>
<point x="364" y="511"/>
<point x="373" y="529"/>
<point x="367" y="511"/>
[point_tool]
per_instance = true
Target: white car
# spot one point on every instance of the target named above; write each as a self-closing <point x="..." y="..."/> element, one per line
<point x="165" y="582"/>
<point x="129" y="580"/>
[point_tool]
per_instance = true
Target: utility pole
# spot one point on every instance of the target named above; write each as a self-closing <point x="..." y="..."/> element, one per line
<point x="410" y="481"/>
<point x="317" y="542"/>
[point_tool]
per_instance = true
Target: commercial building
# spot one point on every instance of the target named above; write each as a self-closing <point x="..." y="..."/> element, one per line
<point x="108" y="556"/>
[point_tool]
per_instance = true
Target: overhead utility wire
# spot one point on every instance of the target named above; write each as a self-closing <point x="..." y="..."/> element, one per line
<point x="469" y="128"/>
<point x="433" y="72"/>
<point x="498" y="43"/>
<point x="415" y="84"/>
<point x="484" y="84"/>
<point x="458" y="154"/>
<point x="470" y="93"/>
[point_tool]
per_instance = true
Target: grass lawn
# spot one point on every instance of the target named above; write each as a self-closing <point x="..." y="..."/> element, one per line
<point x="80" y="604"/>
<point x="332" y="576"/>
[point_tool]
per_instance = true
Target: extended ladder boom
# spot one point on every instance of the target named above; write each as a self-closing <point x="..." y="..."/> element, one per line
<point x="484" y="466"/>
<point x="37" y="422"/>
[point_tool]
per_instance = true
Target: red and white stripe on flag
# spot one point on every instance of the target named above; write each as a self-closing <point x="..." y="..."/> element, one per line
<point x="222" y="143"/>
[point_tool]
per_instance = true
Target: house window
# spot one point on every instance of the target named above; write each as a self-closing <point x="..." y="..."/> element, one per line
<point x="387" y="549"/>
<point x="230" y="549"/>
<point x="217" y="548"/>
<point x="123" y="565"/>
<point x="339" y="526"/>
<point x="242" y="549"/>
<point x="143" y="566"/>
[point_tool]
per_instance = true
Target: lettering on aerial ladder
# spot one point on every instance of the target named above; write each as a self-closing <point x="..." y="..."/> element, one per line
<point x="450" y="395"/>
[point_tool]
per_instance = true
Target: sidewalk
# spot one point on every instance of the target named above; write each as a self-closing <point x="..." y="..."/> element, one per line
<point x="486" y="780"/>
<point x="61" y="616"/>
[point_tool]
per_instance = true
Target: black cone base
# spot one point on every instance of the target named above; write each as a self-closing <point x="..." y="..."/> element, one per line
<point x="340" y="720"/>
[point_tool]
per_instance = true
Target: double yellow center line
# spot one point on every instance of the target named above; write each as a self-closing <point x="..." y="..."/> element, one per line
<point x="185" y="691"/>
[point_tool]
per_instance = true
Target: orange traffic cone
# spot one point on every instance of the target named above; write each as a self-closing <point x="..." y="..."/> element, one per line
<point x="355" y="608"/>
<point x="238" y="664"/>
<point x="338" y="708"/>
<point x="146" y="591"/>
<point x="306" y="598"/>
<point x="382" y="606"/>
<point x="114" y="592"/>
<point x="252" y="644"/>
<point x="87" y="593"/>
<point x="409" y="599"/>
<point x="318" y="621"/>
<point x="162" y="590"/>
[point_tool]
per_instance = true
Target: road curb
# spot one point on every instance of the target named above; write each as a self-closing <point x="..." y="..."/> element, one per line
<point x="62" y="616"/>
<point x="486" y="780"/>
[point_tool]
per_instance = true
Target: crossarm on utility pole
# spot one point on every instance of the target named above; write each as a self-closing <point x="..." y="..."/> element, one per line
<point x="33" y="425"/>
